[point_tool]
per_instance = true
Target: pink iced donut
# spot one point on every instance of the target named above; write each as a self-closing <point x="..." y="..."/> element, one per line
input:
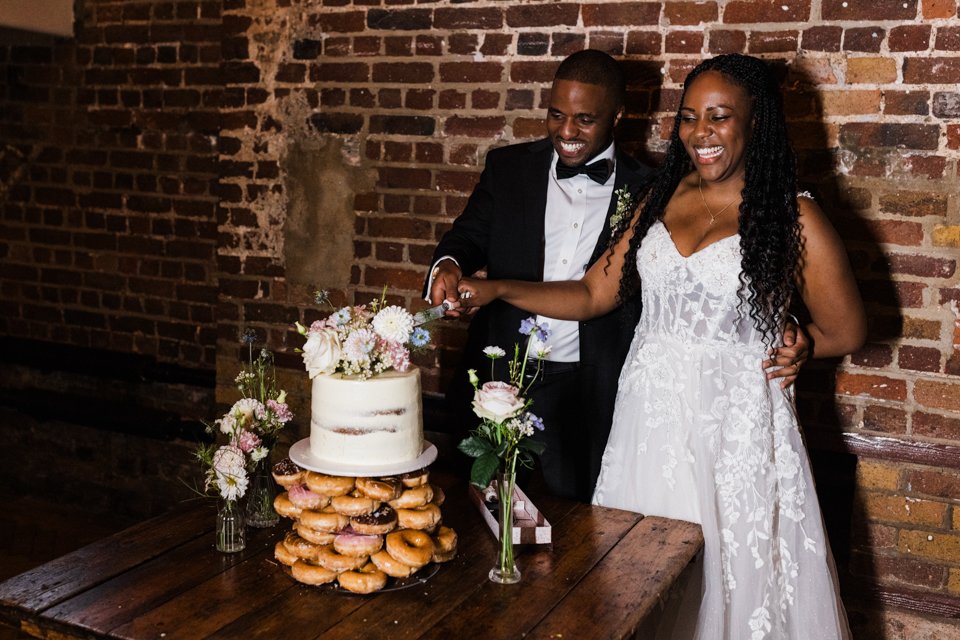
<point x="304" y="498"/>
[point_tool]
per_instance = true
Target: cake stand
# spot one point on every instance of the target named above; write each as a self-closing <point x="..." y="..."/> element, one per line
<point x="300" y="453"/>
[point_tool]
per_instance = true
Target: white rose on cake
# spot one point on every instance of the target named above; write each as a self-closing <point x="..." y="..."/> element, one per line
<point x="321" y="353"/>
<point x="497" y="401"/>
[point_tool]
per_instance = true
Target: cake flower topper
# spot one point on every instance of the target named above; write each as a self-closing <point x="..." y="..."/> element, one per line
<point x="360" y="341"/>
<point x="251" y="426"/>
<point x="504" y="436"/>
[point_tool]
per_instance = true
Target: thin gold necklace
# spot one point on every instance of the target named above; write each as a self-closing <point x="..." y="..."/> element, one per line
<point x="713" y="216"/>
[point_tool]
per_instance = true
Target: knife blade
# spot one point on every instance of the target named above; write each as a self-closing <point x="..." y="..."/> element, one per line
<point x="433" y="313"/>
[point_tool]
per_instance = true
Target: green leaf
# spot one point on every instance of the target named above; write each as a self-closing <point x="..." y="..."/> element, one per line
<point x="483" y="469"/>
<point x="475" y="447"/>
<point x="533" y="446"/>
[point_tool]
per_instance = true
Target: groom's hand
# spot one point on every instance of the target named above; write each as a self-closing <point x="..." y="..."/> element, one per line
<point x="785" y="361"/>
<point x="446" y="279"/>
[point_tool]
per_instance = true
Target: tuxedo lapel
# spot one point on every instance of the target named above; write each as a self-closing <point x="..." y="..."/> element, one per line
<point x="534" y="182"/>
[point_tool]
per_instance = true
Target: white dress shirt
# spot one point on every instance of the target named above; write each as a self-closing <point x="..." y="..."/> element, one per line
<point x="575" y="214"/>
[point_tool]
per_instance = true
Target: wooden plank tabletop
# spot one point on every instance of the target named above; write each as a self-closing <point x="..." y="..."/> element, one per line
<point x="602" y="577"/>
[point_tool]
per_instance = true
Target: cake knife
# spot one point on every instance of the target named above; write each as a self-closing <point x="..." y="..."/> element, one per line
<point x="433" y="313"/>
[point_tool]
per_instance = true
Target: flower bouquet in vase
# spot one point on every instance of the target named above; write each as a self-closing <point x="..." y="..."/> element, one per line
<point x="503" y="439"/>
<point x="241" y="466"/>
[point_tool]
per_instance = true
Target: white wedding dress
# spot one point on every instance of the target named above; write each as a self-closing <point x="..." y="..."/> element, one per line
<point x="699" y="434"/>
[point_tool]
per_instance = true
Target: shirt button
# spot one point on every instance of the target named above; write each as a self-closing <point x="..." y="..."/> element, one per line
<point x="579" y="190"/>
<point x="564" y="261"/>
<point x="576" y="225"/>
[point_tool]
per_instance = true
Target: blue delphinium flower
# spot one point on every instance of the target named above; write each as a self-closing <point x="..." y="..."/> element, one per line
<point x="530" y="326"/>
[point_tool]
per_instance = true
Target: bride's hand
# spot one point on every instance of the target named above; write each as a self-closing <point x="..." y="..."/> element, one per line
<point x="477" y="293"/>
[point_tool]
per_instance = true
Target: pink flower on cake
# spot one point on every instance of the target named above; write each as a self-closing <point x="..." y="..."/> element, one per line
<point x="321" y="353"/>
<point x="357" y="348"/>
<point x="497" y="401"/>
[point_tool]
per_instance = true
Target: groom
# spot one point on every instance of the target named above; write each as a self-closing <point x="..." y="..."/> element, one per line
<point x="541" y="212"/>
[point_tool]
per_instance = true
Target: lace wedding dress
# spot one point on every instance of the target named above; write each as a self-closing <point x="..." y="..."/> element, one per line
<point x="699" y="434"/>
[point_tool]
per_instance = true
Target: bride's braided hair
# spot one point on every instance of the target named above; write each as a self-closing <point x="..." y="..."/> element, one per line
<point x="770" y="241"/>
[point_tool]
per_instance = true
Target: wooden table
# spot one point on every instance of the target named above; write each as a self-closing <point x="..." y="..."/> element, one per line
<point x="601" y="578"/>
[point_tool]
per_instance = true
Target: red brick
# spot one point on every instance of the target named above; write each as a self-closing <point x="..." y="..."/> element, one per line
<point x="953" y="136"/>
<point x="919" y="358"/>
<point x="480" y="127"/>
<point x="484" y="100"/>
<point x="457" y="181"/>
<point x="402" y="125"/>
<point x="873" y="355"/>
<point x="624" y="13"/>
<point x="564" y="44"/>
<point x="939" y="8"/>
<point x="399" y="178"/>
<point x="344" y="22"/>
<point x="948" y="39"/>
<point x="400" y="19"/>
<point x="462" y="43"/>
<point x="429" y="152"/>
<point x="462" y="18"/>
<point x="897" y="569"/>
<point x="340" y="72"/>
<point x="868" y="39"/>
<point x="643" y="43"/>
<point x="921" y="328"/>
<point x="411" y="72"/>
<point x="428" y="46"/>
<point x="880" y="387"/>
<point x="932" y="425"/>
<point x="725" y="41"/>
<point x="543" y="15"/>
<point x="419" y="99"/>
<point x="528" y="128"/>
<point x="910" y="136"/>
<point x="879" y="10"/>
<point x="396" y="151"/>
<point x="533" y="71"/>
<point x="471" y="72"/>
<point x="451" y="99"/>
<point x="913" y="37"/>
<point x="942" y="484"/>
<point x="610" y="42"/>
<point x="399" y="46"/>
<point x="740" y="11"/>
<point x="937" y="395"/>
<point x="931" y="70"/>
<point x="395" y="279"/>
<point x="924" y="266"/>
<point x="885" y="419"/>
<point x="914" y="203"/>
<point x="496" y="44"/>
<point x="772" y="41"/>
<point x="906" y="103"/>
<point x="896" y="232"/>
<point x="822" y="38"/>
<point x="683" y="42"/>
<point x="398" y="227"/>
<point x="690" y="13"/>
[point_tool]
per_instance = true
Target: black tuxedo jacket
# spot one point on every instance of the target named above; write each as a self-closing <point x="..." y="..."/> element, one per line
<point x="502" y="229"/>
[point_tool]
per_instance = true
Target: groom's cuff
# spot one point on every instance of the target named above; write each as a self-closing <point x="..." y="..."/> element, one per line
<point x="433" y="273"/>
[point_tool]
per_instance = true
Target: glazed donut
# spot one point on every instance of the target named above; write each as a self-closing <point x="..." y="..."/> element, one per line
<point x="411" y="547"/>
<point x="384" y="489"/>
<point x="283" y="555"/>
<point x="390" y="566"/>
<point x="299" y="547"/>
<point x="312" y="535"/>
<point x="356" y="544"/>
<point x="328" y="485"/>
<point x="438" y="495"/>
<point x="309" y="573"/>
<point x="381" y="521"/>
<point x="366" y="579"/>
<point x="325" y="520"/>
<point x="328" y="558"/>
<point x="286" y="473"/>
<point x="445" y="544"/>
<point x="424" y="518"/>
<point x="412" y="498"/>
<point x="354" y="505"/>
<point x="303" y="498"/>
<point x="414" y="478"/>
<point x="285" y="508"/>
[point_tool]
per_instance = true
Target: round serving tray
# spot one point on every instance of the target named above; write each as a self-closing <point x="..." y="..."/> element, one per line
<point x="300" y="453"/>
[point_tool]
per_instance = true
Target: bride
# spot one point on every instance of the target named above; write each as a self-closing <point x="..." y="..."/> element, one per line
<point x="719" y="242"/>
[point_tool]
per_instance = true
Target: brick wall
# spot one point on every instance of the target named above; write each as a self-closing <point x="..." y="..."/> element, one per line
<point x="351" y="134"/>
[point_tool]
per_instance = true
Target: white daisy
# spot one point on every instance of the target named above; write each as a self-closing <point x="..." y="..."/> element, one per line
<point x="393" y="324"/>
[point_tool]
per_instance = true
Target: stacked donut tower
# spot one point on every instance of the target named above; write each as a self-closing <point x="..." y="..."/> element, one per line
<point x="358" y="531"/>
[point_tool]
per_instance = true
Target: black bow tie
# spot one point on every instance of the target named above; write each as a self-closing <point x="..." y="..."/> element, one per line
<point x="599" y="171"/>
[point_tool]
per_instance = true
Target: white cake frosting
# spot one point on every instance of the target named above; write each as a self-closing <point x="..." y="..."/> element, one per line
<point x="368" y="423"/>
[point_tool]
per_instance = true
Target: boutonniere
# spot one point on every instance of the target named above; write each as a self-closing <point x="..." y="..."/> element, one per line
<point x="623" y="209"/>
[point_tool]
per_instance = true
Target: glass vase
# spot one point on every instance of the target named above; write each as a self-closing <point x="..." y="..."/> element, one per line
<point x="505" y="571"/>
<point x="260" y="495"/>
<point x="231" y="534"/>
